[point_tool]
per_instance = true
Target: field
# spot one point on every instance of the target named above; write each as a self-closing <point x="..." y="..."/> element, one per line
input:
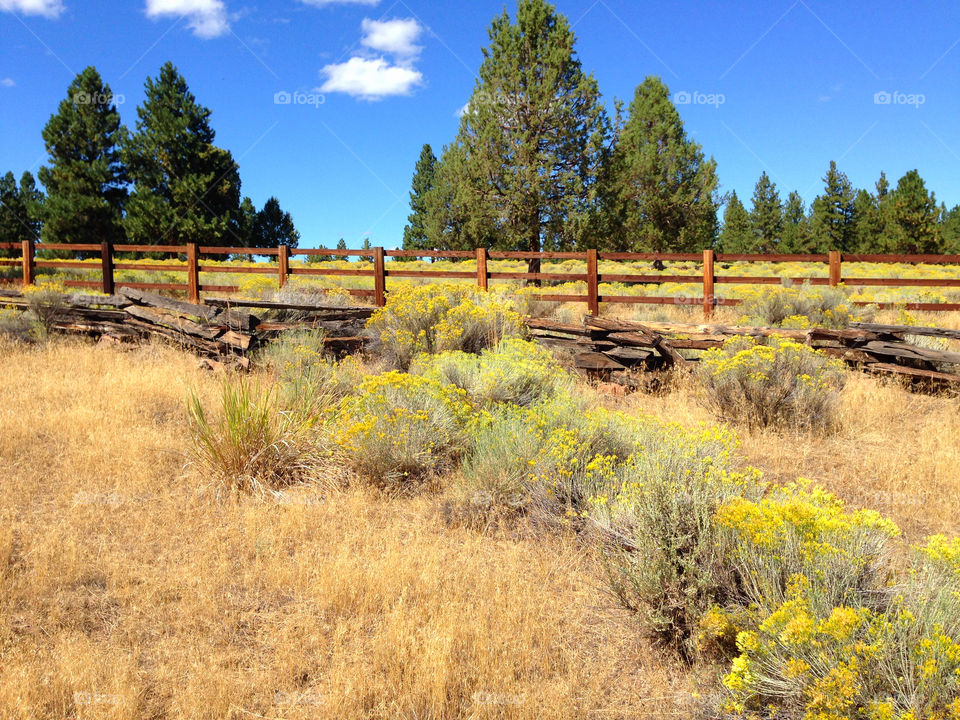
<point x="133" y="587"/>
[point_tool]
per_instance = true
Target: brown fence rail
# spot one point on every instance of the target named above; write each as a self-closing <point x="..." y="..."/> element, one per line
<point x="188" y="259"/>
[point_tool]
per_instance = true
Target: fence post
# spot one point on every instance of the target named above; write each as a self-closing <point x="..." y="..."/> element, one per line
<point x="193" y="273"/>
<point x="593" y="296"/>
<point x="835" y="258"/>
<point x="29" y="266"/>
<point x="482" y="268"/>
<point x="709" y="299"/>
<point x="283" y="263"/>
<point x="379" y="278"/>
<point x="106" y="264"/>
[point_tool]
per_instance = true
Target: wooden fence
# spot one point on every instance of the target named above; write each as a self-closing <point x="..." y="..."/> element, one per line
<point x="189" y="259"/>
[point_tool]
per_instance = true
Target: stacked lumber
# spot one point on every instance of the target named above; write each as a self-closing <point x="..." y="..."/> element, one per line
<point x="216" y="329"/>
<point x="613" y="347"/>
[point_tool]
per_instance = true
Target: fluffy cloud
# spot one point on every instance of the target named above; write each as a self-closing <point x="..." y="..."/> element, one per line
<point x="396" y="37"/>
<point x="369" y="75"/>
<point x="369" y="78"/>
<point x="47" y="8"/>
<point x="325" y="3"/>
<point x="208" y="18"/>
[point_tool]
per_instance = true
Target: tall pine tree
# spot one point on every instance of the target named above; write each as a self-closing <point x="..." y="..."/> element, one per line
<point x="736" y="235"/>
<point x="914" y="215"/>
<point x="659" y="191"/>
<point x="415" y="233"/>
<point x="186" y="189"/>
<point x="85" y="180"/>
<point x="795" y="236"/>
<point x="833" y="213"/>
<point x="533" y="135"/>
<point x="274" y="227"/>
<point x="766" y="216"/>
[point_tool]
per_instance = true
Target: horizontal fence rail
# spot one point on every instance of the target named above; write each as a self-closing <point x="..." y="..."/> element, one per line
<point x="193" y="261"/>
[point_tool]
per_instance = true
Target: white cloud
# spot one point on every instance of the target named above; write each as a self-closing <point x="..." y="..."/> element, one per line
<point x="370" y="78"/>
<point x="326" y="3"/>
<point x="7" y="82"/>
<point x="395" y="37"/>
<point x="47" y="8"/>
<point x="208" y="18"/>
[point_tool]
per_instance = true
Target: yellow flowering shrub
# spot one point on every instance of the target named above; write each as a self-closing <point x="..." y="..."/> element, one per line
<point x="515" y="371"/>
<point x="802" y="530"/>
<point x="777" y="382"/>
<point x="818" y="306"/>
<point x="439" y="318"/>
<point x="400" y="427"/>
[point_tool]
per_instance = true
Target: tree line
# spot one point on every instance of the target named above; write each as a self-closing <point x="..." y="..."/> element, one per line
<point x="537" y="164"/>
<point x="163" y="183"/>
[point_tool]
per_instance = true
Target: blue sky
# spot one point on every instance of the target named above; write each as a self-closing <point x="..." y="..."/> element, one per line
<point x="777" y="85"/>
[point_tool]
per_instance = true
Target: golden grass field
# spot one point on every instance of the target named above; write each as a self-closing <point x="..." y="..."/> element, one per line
<point x="130" y="591"/>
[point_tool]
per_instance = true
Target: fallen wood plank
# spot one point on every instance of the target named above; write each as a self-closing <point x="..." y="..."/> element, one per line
<point x="933" y="375"/>
<point x="237" y="320"/>
<point x="908" y="330"/>
<point x="237" y="340"/>
<point x="174" y="322"/>
<point x="141" y="297"/>
<point x="597" y="361"/>
<point x="905" y="350"/>
<point x="345" y="311"/>
<point x="557" y="327"/>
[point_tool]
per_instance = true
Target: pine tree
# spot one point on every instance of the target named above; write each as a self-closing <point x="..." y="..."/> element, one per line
<point x="33" y="201"/>
<point x="832" y="218"/>
<point x="85" y="180"/>
<point x="658" y="188"/>
<point x="13" y="216"/>
<point x="366" y="244"/>
<point x="274" y="227"/>
<point x="533" y="135"/>
<point x="415" y="233"/>
<point x="341" y="245"/>
<point x="766" y="216"/>
<point x="186" y="188"/>
<point x="736" y="235"/>
<point x="244" y="224"/>
<point x="915" y="216"/>
<point x="795" y="236"/>
<point x="950" y="229"/>
<point x="452" y="222"/>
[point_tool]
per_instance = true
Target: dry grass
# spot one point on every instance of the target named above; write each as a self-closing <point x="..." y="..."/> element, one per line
<point x="126" y="593"/>
<point x="894" y="450"/>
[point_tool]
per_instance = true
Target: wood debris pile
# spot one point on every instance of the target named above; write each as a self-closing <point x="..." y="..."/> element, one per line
<point x="614" y="347"/>
<point x="219" y="329"/>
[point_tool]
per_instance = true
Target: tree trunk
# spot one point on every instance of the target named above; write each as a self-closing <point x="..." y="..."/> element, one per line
<point x="533" y="264"/>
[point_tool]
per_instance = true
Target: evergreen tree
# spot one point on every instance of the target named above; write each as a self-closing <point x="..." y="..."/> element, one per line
<point x="914" y="215"/>
<point x="450" y="222"/>
<point x="795" y="236"/>
<point x="415" y="233"/>
<point x="32" y="199"/>
<point x="366" y="244"/>
<point x="274" y="227"/>
<point x="244" y="224"/>
<point x="85" y="180"/>
<point x="766" y="216"/>
<point x="13" y="216"/>
<point x="950" y="229"/>
<point x="533" y="135"/>
<point x="658" y="189"/>
<point x="186" y="188"/>
<point x="832" y="218"/>
<point x="736" y="235"/>
<point x="341" y="245"/>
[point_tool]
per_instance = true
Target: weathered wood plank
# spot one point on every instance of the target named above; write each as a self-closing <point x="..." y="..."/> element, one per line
<point x="150" y="299"/>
